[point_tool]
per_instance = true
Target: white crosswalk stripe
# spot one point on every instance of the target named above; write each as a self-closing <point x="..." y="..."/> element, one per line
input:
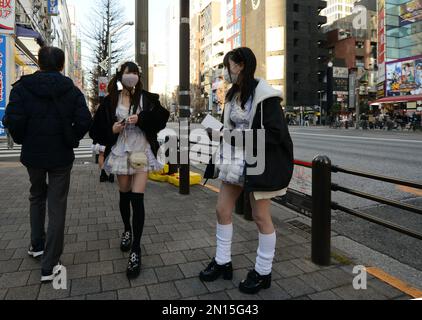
<point x="83" y="152"/>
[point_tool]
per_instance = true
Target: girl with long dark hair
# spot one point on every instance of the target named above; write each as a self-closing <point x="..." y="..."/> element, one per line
<point x="251" y="104"/>
<point x="127" y="123"/>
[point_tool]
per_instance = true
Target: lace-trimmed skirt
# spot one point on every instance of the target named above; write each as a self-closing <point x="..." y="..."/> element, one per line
<point x="131" y="140"/>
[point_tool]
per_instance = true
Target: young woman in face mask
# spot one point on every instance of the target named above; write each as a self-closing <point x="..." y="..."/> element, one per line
<point x="127" y="123"/>
<point x="251" y="105"/>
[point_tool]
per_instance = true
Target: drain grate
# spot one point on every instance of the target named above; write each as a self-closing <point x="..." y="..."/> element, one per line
<point x="301" y="226"/>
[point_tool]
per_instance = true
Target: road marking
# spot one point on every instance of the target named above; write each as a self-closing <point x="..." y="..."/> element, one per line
<point x="355" y="138"/>
<point x="410" y="190"/>
<point x="394" y="282"/>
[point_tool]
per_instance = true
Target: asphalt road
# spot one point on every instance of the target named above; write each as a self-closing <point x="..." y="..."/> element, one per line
<point x="394" y="154"/>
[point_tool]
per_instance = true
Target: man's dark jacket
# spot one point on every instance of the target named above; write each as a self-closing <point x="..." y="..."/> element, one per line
<point x="39" y="105"/>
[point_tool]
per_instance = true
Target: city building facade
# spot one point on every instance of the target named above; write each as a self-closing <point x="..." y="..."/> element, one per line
<point x="34" y="23"/>
<point x="337" y="9"/>
<point x="399" y="56"/>
<point x="353" y="52"/>
<point x="290" y="61"/>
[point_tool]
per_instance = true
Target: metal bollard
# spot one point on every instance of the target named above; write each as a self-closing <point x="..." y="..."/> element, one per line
<point x="321" y="211"/>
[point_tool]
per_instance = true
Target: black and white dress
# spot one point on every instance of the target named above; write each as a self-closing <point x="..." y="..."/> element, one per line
<point x="131" y="139"/>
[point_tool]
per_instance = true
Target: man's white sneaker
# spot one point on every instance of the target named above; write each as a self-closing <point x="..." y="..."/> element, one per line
<point x="34" y="253"/>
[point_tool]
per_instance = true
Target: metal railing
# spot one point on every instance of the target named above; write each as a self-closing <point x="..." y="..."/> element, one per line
<point x="322" y="188"/>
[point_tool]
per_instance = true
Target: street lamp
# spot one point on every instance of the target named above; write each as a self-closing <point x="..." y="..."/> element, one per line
<point x="330" y="77"/>
<point x="113" y="32"/>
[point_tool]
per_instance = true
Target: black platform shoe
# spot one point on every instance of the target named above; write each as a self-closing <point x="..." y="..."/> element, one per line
<point x="111" y="178"/>
<point x="103" y="177"/>
<point x="214" y="271"/>
<point x="134" y="266"/>
<point x="126" y="243"/>
<point x="254" y="283"/>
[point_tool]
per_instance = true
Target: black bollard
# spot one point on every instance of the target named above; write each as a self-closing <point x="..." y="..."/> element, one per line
<point x="321" y="211"/>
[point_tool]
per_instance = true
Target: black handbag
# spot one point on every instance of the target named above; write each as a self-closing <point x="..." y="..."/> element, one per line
<point x="211" y="172"/>
<point x="69" y="135"/>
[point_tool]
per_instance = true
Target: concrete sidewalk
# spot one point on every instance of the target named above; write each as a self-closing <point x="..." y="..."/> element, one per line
<point x="178" y="241"/>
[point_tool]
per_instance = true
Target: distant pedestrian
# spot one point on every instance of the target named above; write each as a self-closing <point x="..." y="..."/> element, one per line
<point x="252" y="104"/>
<point x="127" y="124"/>
<point x="48" y="115"/>
<point x="307" y="121"/>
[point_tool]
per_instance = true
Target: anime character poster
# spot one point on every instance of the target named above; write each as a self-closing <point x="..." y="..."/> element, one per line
<point x="418" y="77"/>
<point x="394" y="76"/>
<point x="408" y="73"/>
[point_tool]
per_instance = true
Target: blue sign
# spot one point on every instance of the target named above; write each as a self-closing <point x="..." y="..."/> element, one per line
<point x="3" y="81"/>
<point x="53" y="7"/>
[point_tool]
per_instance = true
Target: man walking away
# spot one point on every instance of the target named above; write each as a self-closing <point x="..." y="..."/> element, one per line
<point x="48" y="115"/>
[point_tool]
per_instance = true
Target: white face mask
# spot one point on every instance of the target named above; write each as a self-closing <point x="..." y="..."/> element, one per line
<point x="230" y="78"/>
<point x="130" y="80"/>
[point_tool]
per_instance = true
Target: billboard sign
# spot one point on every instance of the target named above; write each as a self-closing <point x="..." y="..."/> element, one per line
<point x="404" y="77"/>
<point x="340" y="72"/>
<point x="3" y="82"/>
<point x="410" y="12"/>
<point x="7" y="16"/>
<point x="53" y="7"/>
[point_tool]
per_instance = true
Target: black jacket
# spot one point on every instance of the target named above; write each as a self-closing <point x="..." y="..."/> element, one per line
<point x="279" y="159"/>
<point x="152" y="119"/>
<point x="34" y="121"/>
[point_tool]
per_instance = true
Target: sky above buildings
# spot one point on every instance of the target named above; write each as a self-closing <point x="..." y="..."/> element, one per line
<point x="156" y="22"/>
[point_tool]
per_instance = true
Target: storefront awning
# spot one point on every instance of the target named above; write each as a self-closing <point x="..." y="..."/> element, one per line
<point x="27" y="32"/>
<point x="414" y="98"/>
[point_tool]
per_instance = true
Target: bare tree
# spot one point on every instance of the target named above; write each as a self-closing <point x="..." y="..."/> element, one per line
<point x="106" y="16"/>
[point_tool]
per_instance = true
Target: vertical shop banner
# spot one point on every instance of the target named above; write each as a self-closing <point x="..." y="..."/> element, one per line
<point x="53" y="7"/>
<point x="381" y="41"/>
<point x="3" y="82"/>
<point x="7" y="16"/>
<point x="102" y="86"/>
<point x="352" y="90"/>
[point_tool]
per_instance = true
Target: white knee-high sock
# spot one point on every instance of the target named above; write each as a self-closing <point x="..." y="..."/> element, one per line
<point x="266" y="253"/>
<point x="224" y="244"/>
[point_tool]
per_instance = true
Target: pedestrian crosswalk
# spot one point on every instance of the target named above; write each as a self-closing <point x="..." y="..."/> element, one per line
<point x="83" y="152"/>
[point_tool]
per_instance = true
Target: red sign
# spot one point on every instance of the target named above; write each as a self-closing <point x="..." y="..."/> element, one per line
<point x="7" y="16"/>
<point x="381" y="36"/>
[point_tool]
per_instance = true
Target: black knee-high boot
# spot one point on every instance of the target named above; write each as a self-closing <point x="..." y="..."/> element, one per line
<point x="138" y="222"/>
<point x="125" y="209"/>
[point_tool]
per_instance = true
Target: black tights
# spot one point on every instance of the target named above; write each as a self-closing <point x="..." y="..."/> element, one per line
<point x="137" y="200"/>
